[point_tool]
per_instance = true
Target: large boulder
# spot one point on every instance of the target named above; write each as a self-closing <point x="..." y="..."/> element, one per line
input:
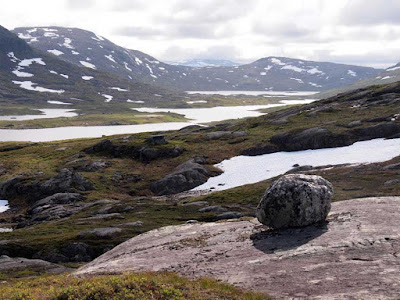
<point x="311" y="138"/>
<point x="185" y="177"/>
<point x="295" y="200"/>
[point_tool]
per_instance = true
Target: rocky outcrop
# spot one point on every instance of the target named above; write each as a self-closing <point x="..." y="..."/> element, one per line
<point x="354" y="255"/>
<point x="312" y="138"/>
<point x="66" y="181"/>
<point x="185" y="177"/>
<point x="295" y="200"/>
<point x="103" y="233"/>
<point x="141" y="153"/>
<point x="8" y="264"/>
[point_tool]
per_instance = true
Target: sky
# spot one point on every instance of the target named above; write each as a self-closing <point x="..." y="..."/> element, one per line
<point x="360" y="32"/>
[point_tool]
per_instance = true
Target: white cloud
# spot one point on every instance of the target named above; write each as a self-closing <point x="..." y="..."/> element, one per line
<point x="348" y="31"/>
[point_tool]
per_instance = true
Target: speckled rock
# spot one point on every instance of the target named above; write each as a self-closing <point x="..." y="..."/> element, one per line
<point x="295" y="200"/>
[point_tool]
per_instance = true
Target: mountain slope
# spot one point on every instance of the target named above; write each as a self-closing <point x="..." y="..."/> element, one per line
<point x="87" y="49"/>
<point x="390" y="75"/>
<point x="201" y="63"/>
<point x="29" y="76"/>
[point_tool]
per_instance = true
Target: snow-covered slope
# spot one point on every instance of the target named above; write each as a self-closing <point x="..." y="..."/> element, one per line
<point x="30" y="76"/>
<point x="91" y="51"/>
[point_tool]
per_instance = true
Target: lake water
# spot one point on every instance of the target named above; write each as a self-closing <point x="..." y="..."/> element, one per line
<point x="254" y="93"/>
<point x="3" y="205"/>
<point x="197" y="116"/>
<point x="242" y="170"/>
<point x="47" y="113"/>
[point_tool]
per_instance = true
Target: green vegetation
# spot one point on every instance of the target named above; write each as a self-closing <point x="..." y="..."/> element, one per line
<point x="129" y="117"/>
<point x="142" y="286"/>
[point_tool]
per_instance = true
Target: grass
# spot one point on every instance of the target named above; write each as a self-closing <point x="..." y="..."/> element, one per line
<point x="105" y="119"/>
<point x="142" y="286"/>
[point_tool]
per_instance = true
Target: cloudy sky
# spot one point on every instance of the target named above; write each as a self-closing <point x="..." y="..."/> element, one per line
<point x="362" y="32"/>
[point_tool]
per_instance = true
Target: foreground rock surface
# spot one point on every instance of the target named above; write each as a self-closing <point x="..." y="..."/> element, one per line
<point x="14" y="264"/>
<point x="295" y="200"/>
<point x="355" y="255"/>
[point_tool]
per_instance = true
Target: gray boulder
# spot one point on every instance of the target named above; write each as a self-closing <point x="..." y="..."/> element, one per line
<point x="185" y="177"/>
<point x="295" y="200"/>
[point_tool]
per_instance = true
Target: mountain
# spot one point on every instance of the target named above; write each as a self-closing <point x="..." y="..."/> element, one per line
<point x="280" y="73"/>
<point x="201" y="63"/>
<point x="30" y="76"/>
<point x="86" y="49"/>
<point x="389" y="75"/>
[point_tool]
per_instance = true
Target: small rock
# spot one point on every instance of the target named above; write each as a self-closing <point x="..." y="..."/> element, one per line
<point x="103" y="233"/>
<point x="131" y="224"/>
<point x="157" y="140"/>
<point x="213" y="208"/>
<point x="295" y="200"/>
<point x="192" y="221"/>
<point x="196" y="203"/>
<point x="229" y="215"/>
<point x="391" y="182"/>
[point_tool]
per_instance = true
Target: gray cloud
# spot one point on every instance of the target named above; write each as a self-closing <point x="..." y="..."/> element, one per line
<point x="371" y="12"/>
<point x="80" y="4"/>
<point x="141" y="32"/>
<point x="214" y="52"/>
<point x="125" y="5"/>
<point x="285" y="30"/>
<point x="173" y="31"/>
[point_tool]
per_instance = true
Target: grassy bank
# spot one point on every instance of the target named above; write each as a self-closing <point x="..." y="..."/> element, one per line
<point x="154" y="286"/>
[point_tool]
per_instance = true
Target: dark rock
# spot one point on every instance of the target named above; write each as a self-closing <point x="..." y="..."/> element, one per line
<point x="392" y="167"/>
<point x="66" y="181"/>
<point x="196" y="203"/>
<point x="94" y="166"/>
<point x="185" y="177"/>
<point x="106" y="217"/>
<point x="59" y="198"/>
<point x="213" y="208"/>
<point x="295" y="200"/>
<point x="300" y="169"/>
<point x="229" y="215"/>
<point x="381" y="130"/>
<point x="141" y="153"/>
<point x="260" y="150"/>
<point x="77" y="252"/>
<point x="157" y="140"/>
<point x="103" y="233"/>
<point x="312" y="138"/>
<point x="103" y="146"/>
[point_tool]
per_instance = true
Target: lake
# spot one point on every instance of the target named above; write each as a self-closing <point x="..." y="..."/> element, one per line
<point x="254" y="93"/>
<point x="197" y="116"/>
<point x="242" y="170"/>
<point x="47" y="113"/>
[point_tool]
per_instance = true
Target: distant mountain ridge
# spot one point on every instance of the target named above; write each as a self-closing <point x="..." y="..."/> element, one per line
<point x="201" y="63"/>
<point x="85" y="48"/>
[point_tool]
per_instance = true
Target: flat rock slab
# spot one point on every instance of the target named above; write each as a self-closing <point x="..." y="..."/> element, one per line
<point x="17" y="263"/>
<point x="355" y="255"/>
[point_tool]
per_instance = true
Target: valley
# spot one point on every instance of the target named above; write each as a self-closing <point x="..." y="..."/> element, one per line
<point x="103" y="146"/>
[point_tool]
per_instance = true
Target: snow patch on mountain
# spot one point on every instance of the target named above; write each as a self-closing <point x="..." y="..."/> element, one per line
<point x="29" y="85"/>
<point x="56" y="52"/>
<point x="88" y="65"/>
